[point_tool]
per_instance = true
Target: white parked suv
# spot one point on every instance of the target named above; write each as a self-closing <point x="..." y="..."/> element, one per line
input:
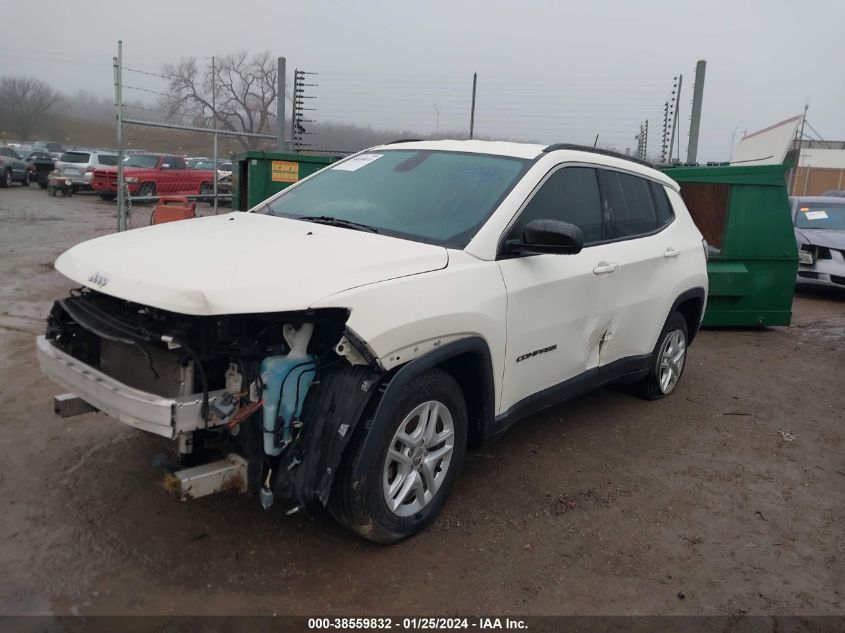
<point x="79" y="165"/>
<point x="345" y="342"/>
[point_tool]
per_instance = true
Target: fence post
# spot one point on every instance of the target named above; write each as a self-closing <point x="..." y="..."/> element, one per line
<point x="280" y="104"/>
<point x="118" y="88"/>
<point x="214" y="125"/>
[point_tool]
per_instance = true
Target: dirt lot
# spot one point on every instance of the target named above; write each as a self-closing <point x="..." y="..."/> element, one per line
<point x="608" y="505"/>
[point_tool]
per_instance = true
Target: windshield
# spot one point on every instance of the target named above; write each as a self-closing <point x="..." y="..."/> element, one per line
<point x="141" y="160"/>
<point x="74" y="157"/>
<point x="436" y="197"/>
<point x="821" y="215"/>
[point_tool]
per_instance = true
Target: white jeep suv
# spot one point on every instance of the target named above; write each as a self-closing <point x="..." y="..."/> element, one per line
<point x="345" y="342"/>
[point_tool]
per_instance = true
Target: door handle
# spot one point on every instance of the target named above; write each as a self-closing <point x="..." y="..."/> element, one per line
<point x="605" y="267"/>
<point x="671" y="252"/>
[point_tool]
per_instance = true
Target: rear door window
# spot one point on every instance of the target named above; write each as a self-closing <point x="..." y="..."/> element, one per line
<point x="629" y="203"/>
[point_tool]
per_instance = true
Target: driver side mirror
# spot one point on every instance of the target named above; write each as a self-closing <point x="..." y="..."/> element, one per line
<point x="548" y="236"/>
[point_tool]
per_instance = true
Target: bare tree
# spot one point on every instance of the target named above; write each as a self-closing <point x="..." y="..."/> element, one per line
<point x="25" y="102"/>
<point x="244" y="91"/>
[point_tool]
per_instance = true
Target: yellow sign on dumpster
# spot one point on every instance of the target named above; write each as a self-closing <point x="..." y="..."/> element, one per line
<point x="284" y="171"/>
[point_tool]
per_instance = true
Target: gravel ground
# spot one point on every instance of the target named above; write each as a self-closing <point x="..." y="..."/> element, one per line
<point x="727" y="498"/>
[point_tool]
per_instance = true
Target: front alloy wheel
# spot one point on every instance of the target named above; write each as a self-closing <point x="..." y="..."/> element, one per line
<point x="418" y="458"/>
<point x="401" y="464"/>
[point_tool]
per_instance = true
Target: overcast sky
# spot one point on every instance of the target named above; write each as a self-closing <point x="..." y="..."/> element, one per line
<point x="547" y="71"/>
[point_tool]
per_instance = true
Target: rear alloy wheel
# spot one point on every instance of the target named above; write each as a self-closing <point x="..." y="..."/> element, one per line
<point x="671" y="365"/>
<point x="400" y="466"/>
<point x="6" y="181"/>
<point x="668" y="361"/>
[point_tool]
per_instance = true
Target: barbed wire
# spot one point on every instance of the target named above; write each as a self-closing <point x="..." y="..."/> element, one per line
<point x="145" y="72"/>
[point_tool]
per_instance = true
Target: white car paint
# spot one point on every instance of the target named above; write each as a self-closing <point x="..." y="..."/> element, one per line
<point x="241" y="263"/>
<point x="407" y="298"/>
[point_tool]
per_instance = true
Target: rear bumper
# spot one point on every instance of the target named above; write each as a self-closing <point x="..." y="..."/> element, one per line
<point x="156" y="414"/>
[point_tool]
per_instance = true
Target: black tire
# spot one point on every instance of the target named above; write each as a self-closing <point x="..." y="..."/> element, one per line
<point x="358" y="500"/>
<point x="25" y="181"/>
<point x="6" y="180"/>
<point x="107" y="196"/>
<point x="146" y="189"/>
<point x="42" y="184"/>
<point x="650" y="387"/>
<point x="207" y="189"/>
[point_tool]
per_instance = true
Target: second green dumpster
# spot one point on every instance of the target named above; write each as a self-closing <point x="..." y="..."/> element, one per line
<point x="743" y="213"/>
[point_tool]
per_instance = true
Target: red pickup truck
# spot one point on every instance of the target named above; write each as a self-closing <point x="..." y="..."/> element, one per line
<point x="153" y="175"/>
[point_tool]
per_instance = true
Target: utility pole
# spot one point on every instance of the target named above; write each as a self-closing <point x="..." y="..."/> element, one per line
<point x="118" y="94"/>
<point x="798" y="157"/>
<point x="280" y="103"/>
<point x="695" y="119"/>
<point x="675" y="120"/>
<point x="472" y="110"/>
<point x="214" y="123"/>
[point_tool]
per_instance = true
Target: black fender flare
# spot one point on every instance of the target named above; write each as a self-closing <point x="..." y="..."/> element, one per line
<point x="693" y="293"/>
<point x="484" y="412"/>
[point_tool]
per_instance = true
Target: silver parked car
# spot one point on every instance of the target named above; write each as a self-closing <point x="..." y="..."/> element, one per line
<point x="820" y="232"/>
<point x="79" y="165"/>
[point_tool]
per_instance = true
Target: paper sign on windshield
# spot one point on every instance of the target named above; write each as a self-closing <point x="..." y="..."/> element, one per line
<point x="353" y="164"/>
<point x="816" y="215"/>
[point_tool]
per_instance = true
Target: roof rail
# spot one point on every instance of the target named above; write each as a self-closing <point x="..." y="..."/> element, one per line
<point x="596" y="150"/>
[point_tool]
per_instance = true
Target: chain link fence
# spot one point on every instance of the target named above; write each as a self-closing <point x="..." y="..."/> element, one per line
<point x="177" y="151"/>
<point x="187" y="168"/>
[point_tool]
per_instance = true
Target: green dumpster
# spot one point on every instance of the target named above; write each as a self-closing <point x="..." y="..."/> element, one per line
<point x="258" y="175"/>
<point x="743" y="213"/>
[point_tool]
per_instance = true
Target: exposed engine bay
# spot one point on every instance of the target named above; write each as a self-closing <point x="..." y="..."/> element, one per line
<point x="283" y="390"/>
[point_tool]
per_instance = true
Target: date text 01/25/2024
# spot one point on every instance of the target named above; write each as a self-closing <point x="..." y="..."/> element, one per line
<point x="415" y="624"/>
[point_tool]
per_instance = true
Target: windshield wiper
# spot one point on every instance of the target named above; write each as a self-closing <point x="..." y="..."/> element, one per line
<point x="329" y="220"/>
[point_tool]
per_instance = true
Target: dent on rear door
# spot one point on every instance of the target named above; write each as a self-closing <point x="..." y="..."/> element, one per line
<point x="638" y="290"/>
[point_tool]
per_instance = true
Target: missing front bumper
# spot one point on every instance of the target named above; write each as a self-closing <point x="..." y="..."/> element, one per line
<point x="155" y="414"/>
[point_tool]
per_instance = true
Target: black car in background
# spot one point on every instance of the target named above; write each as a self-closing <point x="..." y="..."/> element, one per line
<point x="39" y="164"/>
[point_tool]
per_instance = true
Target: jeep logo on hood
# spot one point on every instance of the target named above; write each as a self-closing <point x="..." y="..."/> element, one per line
<point x="98" y="279"/>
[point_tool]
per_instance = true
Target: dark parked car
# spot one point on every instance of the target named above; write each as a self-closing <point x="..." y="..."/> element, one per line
<point x="39" y="163"/>
<point x="12" y="168"/>
<point x="50" y="146"/>
<point x="820" y="232"/>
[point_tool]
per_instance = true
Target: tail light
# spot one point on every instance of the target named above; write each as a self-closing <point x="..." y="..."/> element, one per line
<point x="90" y="168"/>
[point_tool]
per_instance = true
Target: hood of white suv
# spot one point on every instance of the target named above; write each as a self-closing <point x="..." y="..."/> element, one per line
<point x="241" y="263"/>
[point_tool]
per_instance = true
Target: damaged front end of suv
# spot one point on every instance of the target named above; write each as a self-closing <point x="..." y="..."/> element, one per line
<point x="277" y="396"/>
